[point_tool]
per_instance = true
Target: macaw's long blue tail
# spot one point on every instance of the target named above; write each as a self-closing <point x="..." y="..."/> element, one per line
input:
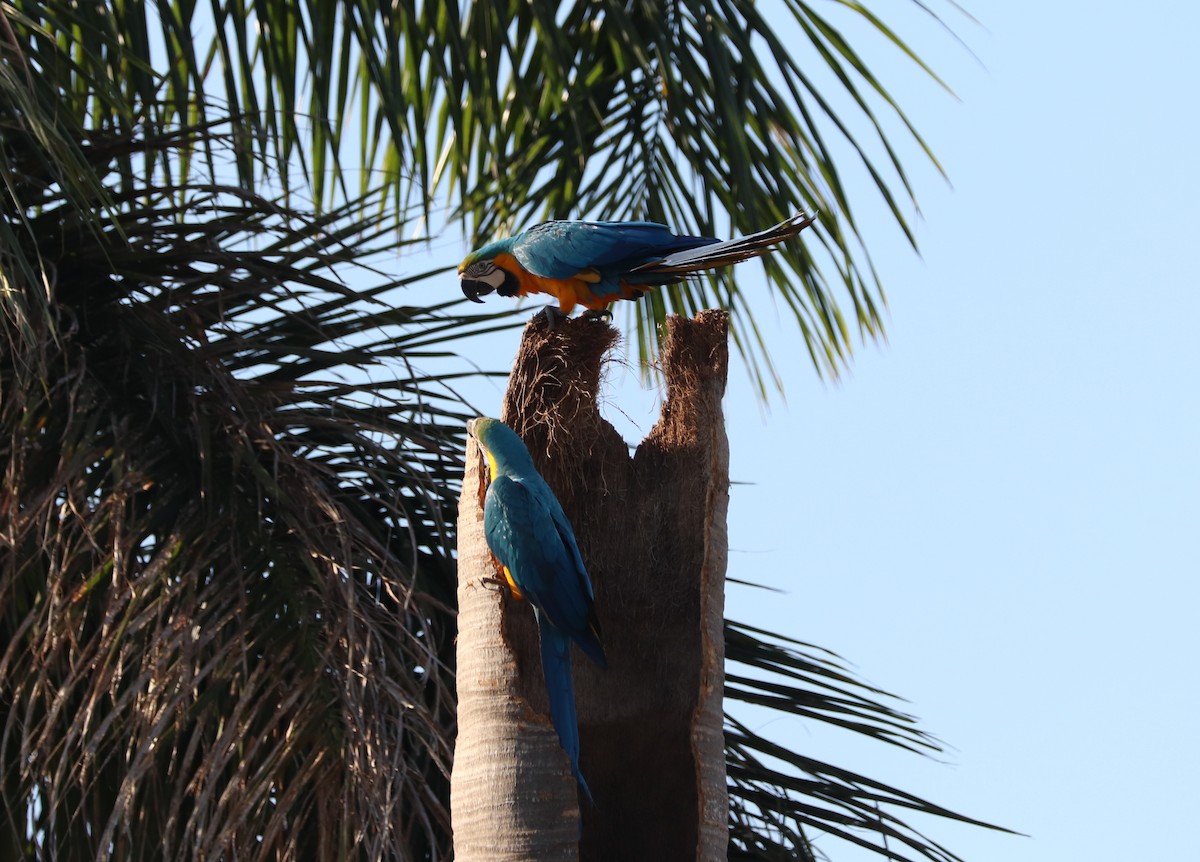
<point x="715" y="254"/>
<point x="556" y="668"/>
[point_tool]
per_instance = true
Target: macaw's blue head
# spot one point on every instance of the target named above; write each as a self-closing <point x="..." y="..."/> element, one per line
<point x="506" y="454"/>
<point x="487" y="269"/>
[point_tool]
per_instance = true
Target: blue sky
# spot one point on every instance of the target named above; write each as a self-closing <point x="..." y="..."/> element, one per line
<point x="996" y="514"/>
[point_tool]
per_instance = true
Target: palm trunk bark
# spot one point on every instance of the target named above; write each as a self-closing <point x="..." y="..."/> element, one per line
<point x="653" y="536"/>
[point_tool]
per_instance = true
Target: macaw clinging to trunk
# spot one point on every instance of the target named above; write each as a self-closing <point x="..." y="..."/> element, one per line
<point x="529" y="534"/>
<point x="595" y="263"/>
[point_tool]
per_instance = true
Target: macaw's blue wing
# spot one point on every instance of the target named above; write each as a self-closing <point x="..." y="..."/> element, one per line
<point x="562" y="249"/>
<point x="560" y="689"/>
<point x="527" y="531"/>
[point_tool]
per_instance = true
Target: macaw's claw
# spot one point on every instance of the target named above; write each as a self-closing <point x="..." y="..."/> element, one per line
<point x="496" y="584"/>
<point x="598" y="315"/>
<point x="553" y="315"/>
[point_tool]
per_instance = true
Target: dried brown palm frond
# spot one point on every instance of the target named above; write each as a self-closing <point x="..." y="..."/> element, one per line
<point x="225" y="571"/>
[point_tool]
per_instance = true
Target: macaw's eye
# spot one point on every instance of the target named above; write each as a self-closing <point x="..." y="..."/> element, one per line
<point x="478" y="269"/>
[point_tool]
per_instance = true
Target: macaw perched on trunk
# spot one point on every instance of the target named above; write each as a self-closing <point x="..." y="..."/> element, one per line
<point x="595" y="263"/>
<point x="529" y="534"/>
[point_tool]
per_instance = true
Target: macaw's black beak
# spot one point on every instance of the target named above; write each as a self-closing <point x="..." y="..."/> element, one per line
<point x="473" y="289"/>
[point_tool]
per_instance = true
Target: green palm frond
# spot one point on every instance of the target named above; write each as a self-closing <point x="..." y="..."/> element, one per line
<point x="705" y="115"/>
<point x="699" y="115"/>
<point x="779" y="797"/>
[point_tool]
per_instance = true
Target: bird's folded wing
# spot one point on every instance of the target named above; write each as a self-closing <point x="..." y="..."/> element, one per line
<point x="522" y="533"/>
<point x="563" y="249"/>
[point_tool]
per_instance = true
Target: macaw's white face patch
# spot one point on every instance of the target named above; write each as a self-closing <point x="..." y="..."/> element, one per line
<point x="492" y="276"/>
<point x="483" y="277"/>
<point x="478" y="270"/>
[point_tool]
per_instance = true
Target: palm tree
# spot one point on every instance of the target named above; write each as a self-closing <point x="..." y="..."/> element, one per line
<point x="232" y="446"/>
<point x="651" y="527"/>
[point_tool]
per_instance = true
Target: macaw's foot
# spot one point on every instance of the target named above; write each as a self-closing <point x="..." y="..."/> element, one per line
<point x="494" y="584"/>
<point x="502" y="585"/>
<point x="598" y="315"/>
<point x="553" y="315"/>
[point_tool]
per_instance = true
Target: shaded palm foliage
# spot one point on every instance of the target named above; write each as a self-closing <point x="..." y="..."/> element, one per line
<point x="231" y="451"/>
<point x="226" y="589"/>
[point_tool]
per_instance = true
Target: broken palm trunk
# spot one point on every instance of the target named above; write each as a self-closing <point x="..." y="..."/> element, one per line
<point x="652" y="532"/>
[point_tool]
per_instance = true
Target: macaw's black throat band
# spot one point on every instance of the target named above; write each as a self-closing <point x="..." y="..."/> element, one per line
<point x="511" y="286"/>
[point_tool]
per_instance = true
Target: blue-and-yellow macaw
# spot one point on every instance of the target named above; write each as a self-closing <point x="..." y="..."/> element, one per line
<point x="595" y="263"/>
<point x="529" y="534"/>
